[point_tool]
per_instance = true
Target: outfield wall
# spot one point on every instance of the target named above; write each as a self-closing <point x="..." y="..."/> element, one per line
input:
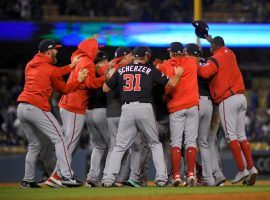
<point x="12" y="166"/>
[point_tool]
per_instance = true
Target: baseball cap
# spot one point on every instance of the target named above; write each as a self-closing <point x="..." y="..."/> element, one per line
<point x="176" y="47"/>
<point x="141" y="51"/>
<point x="122" y="51"/>
<point x="102" y="55"/>
<point x="47" y="44"/>
<point x="193" y="49"/>
<point x="201" y="28"/>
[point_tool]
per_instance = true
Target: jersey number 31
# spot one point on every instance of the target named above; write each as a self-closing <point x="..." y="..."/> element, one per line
<point x="130" y="85"/>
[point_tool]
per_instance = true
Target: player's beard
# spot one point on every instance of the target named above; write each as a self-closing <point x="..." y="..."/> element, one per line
<point x="54" y="59"/>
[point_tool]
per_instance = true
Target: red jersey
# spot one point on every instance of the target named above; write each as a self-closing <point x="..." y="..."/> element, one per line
<point x="77" y="101"/>
<point x="185" y="94"/>
<point x="225" y="76"/>
<point x="41" y="78"/>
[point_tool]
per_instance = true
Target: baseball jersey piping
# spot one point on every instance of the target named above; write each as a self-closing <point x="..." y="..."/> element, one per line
<point x="74" y="125"/>
<point x="225" y="123"/>
<point x="61" y="140"/>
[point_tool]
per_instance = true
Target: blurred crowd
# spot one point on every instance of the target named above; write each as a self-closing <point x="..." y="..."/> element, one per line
<point x="136" y="10"/>
<point x="11" y="134"/>
<point x="258" y="119"/>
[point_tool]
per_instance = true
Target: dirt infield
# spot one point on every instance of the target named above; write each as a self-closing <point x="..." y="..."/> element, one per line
<point x="235" y="196"/>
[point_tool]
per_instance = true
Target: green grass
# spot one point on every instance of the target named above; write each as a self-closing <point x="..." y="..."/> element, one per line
<point x="15" y="193"/>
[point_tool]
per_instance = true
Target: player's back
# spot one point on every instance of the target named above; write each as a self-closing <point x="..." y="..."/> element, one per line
<point x="185" y="94"/>
<point x="135" y="82"/>
<point x="38" y="87"/>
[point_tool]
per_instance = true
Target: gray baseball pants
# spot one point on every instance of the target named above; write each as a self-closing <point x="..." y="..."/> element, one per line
<point x="214" y="144"/>
<point x="130" y="165"/>
<point x="36" y="122"/>
<point x="205" y="116"/>
<point x="184" y="122"/>
<point x="113" y="123"/>
<point x="97" y="126"/>
<point x="232" y="114"/>
<point x="46" y="159"/>
<point x="137" y="117"/>
<point x="73" y="124"/>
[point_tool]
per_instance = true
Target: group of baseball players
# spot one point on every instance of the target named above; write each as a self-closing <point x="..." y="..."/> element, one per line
<point x="135" y="108"/>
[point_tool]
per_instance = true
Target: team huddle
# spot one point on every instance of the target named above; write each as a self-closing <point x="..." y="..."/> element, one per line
<point x="133" y="109"/>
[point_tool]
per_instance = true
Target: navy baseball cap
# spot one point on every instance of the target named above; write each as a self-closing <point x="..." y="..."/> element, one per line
<point x="122" y="51"/>
<point x="47" y="44"/>
<point x="176" y="47"/>
<point x="141" y="51"/>
<point x="193" y="49"/>
<point x="201" y="28"/>
<point x="102" y="55"/>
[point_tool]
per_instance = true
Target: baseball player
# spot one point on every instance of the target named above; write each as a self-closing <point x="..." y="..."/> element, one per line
<point x="41" y="77"/>
<point x="73" y="105"/>
<point x="205" y="116"/>
<point x="214" y="148"/>
<point x="130" y="166"/>
<point x="135" y="82"/>
<point x="227" y="90"/>
<point x="182" y="104"/>
<point x="97" y="123"/>
<point x="162" y="117"/>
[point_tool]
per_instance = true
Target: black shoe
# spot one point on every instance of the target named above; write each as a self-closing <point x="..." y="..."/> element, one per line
<point x="71" y="182"/>
<point x="43" y="179"/>
<point x="26" y="184"/>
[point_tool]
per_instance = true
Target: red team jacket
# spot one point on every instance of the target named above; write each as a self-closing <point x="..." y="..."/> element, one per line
<point x="185" y="94"/>
<point x="41" y="77"/>
<point x="226" y="78"/>
<point x="77" y="101"/>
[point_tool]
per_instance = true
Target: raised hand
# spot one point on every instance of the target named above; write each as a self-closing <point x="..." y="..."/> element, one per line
<point x="75" y="61"/>
<point x="82" y="74"/>
<point x="178" y="70"/>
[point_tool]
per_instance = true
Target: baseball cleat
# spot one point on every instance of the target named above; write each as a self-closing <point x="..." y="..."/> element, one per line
<point x="240" y="176"/>
<point x="132" y="183"/>
<point x="50" y="183"/>
<point x="93" y="184"/>
<point x="220" y="180"/>
<point x="54" y="181"/>
<point x="26" y="185"/>
<point x="119" y="184"/>
<point x="71" y="182"/>
<point x="251" y="179"/>
<point x="176" y="180"/>
<point x="191" y="180"/>
<point x="106" y="184"/>
<point x="161" y="183"/>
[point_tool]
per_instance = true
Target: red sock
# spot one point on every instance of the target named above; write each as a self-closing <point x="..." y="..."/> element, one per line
<point x="245" y="146"/>
<point x="236" y="151"/>
<point x="191" y="159"/>
<point x="176" y="159"/>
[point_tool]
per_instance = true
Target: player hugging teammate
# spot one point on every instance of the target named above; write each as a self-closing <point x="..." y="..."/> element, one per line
<point x="171" y="109"/>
